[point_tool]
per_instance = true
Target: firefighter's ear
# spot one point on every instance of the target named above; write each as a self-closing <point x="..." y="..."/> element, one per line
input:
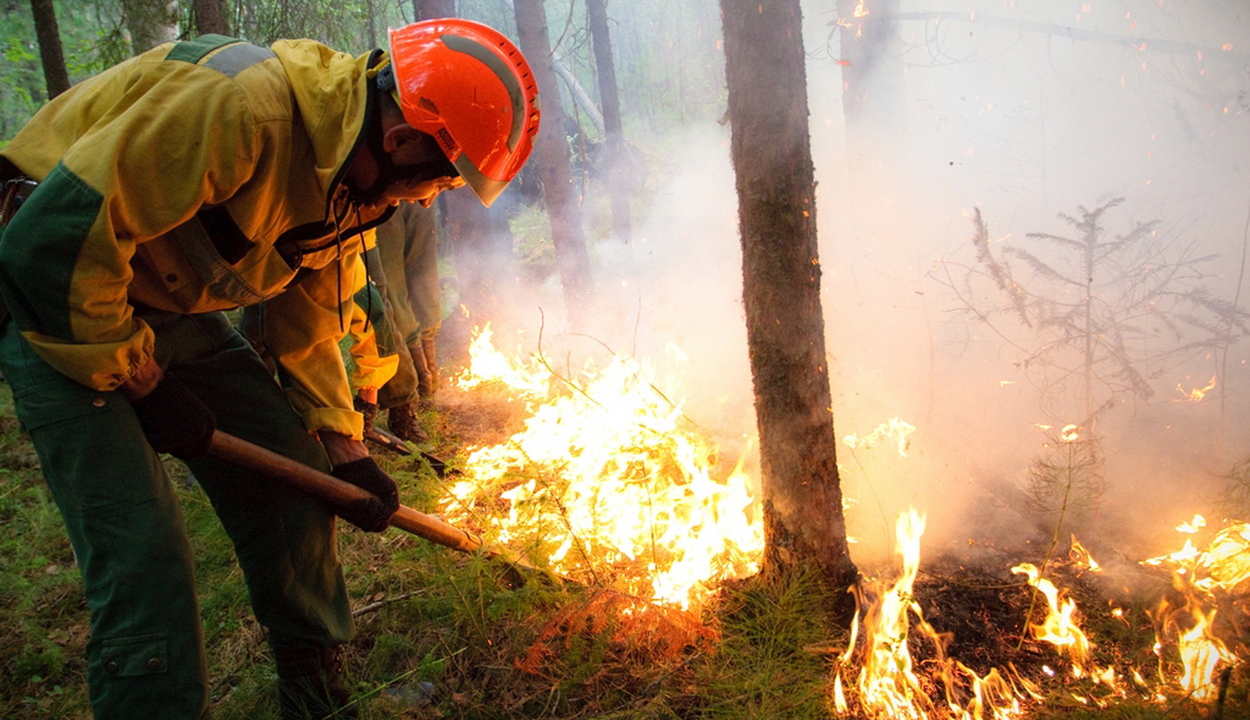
<point x="409" y="146"/>
<point x="398" y="135"/>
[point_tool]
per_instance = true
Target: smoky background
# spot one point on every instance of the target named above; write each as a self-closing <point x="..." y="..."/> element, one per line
<point x="1021" y="110"/>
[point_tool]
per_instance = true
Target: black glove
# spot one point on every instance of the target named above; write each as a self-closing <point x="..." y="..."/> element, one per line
<point x="372" y="514"/>
<point x="175" y="420"/>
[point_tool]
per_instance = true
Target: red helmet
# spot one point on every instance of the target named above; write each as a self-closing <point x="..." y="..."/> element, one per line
<point x="468" y="86"/>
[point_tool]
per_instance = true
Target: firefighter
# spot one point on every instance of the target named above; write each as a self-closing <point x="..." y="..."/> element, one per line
<point x="407" y="275"/>
<point x="198" y="177"/>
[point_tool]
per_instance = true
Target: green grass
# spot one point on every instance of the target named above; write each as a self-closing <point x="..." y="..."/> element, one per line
<point x="543" y="650"/>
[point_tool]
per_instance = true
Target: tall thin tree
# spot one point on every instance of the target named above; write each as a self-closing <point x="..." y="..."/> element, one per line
<point x="55" y="76"/>
<point x="430" y="9"/>
<point x="210" y="17"/>
<point x="614" y="169"/>
<point x="872" y="97"/>
<point x="772" y="159"/>
<point x="150" y="22"/>
<point x="482" y="253"/>
<point x="551" y="157"/>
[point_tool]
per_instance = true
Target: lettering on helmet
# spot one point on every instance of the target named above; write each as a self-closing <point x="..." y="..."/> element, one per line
<point x="445" y="141"/>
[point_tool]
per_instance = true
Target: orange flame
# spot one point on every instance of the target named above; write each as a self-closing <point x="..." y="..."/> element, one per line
<point x="1060" y="627"/>
<point x="894" y="430"/>
<point x="1196" y="394"/>
<point x="608" y="478"/>
<point x="888" y="686"/>
<point x="1200" y="575"/>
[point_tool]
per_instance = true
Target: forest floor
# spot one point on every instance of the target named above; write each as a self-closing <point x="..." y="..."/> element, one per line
<point x="549" y="649"/>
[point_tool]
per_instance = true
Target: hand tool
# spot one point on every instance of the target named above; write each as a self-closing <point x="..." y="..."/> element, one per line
<point x="337" y="492"/>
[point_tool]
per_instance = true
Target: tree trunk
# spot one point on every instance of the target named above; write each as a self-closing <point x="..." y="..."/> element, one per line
<point x="55" y="76"/>
<point x="430" y="9"/>
<point x="210" y="17"/>
<point x="873" y="98"/>
<point x="771" y="150"/>
<point x="371" y="25"/>
<point x="150" y="22"/>
<point x="580" y="96"/>
<point x="482" y="254"/>
<point x="614" y="170"/>
<point x="551" y="158"/>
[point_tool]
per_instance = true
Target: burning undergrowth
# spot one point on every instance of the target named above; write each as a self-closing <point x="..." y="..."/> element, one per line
<point x="607" y="482"/>
<point x="602" y="479"/>
<point x="967" y="642"/>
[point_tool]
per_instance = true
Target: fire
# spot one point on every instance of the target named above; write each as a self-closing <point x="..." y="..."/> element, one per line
<point x="887" y="684"/>
<point x="487" y="364"/>
<point x="1060" y="627"/>
<point x="894" y="430"/>
<point x="609" y="480"/>
<point x="1081" y="558"/>
<point x="1201" y="577"/>
<point x="1196" y="394"/>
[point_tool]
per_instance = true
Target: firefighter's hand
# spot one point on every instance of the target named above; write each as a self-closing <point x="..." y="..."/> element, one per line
<point x="371" y="514"/>
<point x="143" y="381"/>
<point x="174" y="419"/>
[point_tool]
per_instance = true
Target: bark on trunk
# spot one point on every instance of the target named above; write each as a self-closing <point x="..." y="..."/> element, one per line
<point x="482" y="254"/>
<point x="873" y="99"/>
<point x="150" y="22"/>
<point x="551" y="158"/>
<point x="210" y="18"/>
<point x="771" y="150"/>
<point x="614" y="170"/>
<point x="55" y="76"/>
<point x="430" y="9"/>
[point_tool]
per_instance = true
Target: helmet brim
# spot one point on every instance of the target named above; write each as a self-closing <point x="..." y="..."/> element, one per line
<point x="487" y="189"/>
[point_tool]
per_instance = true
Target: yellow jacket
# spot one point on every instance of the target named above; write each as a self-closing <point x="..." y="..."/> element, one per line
<point x="372" y="366"/>
<point x="199" y="176"/>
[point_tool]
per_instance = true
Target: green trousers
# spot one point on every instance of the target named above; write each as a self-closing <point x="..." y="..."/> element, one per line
<point x="146" y="655"/>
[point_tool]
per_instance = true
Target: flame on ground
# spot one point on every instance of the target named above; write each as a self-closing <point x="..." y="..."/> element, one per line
<point x="611" y="482"/>
<point x="608" y="480"/>
<point x="887" y="684"/>
<point x="1191" y="657"/>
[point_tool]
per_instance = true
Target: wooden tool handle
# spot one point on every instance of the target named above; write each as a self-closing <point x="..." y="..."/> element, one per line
<point x="335" y="491"/>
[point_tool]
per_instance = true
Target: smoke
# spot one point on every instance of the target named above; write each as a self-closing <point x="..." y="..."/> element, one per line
<point x="1024" y="110"/>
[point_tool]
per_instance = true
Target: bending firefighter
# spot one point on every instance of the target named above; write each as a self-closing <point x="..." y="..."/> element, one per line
<point x="195" y="178"/>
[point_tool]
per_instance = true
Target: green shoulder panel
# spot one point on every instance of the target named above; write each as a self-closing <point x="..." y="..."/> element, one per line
<point x="193" y="51"/>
